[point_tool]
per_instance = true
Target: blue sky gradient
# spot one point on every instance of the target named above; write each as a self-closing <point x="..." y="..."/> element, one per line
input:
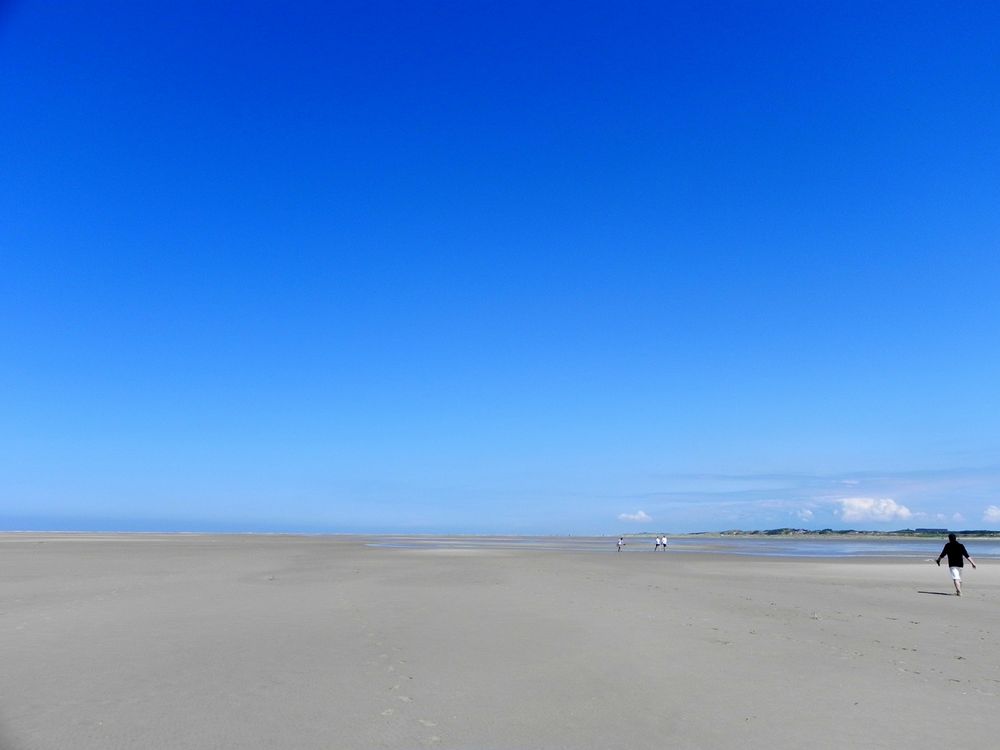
<point x="492" y="267"/>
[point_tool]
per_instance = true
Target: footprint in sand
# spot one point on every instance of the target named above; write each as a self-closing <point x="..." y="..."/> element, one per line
<point x="389" y="712"/>
<point x="428" y="723"/>
<point x="405" y="698"/>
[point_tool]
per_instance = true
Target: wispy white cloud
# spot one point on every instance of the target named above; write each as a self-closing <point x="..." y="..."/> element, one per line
<point x="930" y="482"/>
<point x="958" y="518"/>
<point x="854" y="509"/>
<point x="838" y="499"/>
<point x="992" y="514"/>
<point x="640" y="516"/>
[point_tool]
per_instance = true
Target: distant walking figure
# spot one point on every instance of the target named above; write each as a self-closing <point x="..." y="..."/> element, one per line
<point x="657" y="544"/>
<point x="955" y="551"/>
<point x="621" y="543"/>
<point x="663" y="542"/>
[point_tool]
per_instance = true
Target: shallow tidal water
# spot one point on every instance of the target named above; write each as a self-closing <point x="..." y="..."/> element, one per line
<point x="758" y="546"/>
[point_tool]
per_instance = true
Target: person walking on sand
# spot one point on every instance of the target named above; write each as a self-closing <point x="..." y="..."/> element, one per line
<point x="957" y="554"/>
<point x="621" y="543"/>
<point x="657" y="544"/>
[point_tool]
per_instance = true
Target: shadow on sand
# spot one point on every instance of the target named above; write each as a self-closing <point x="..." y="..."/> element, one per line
<point x="938" y="593"/>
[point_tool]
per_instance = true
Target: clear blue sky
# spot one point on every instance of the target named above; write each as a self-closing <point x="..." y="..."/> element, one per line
<point x="499" y="267"/>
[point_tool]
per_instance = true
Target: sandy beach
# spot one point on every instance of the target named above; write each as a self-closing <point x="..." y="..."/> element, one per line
<point x="145" y="641"/>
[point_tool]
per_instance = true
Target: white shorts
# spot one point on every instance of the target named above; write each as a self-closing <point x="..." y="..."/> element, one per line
<point x="956" y="574"/>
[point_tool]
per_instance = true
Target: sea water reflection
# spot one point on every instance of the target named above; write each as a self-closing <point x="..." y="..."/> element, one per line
<point x="761" y="546"/>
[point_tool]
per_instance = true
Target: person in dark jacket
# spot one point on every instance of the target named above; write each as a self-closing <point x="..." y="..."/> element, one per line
<point x="956" y="554"/>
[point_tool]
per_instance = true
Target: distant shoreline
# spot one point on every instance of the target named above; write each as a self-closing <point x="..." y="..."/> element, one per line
<point x="854" y="533"/>
<point x="764" y="533"/>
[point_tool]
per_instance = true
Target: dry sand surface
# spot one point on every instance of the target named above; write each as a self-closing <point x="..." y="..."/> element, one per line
<point x="281" y="642"/>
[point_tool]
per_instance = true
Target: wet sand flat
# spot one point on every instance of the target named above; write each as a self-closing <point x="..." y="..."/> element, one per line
<point x="146" y="641"/>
